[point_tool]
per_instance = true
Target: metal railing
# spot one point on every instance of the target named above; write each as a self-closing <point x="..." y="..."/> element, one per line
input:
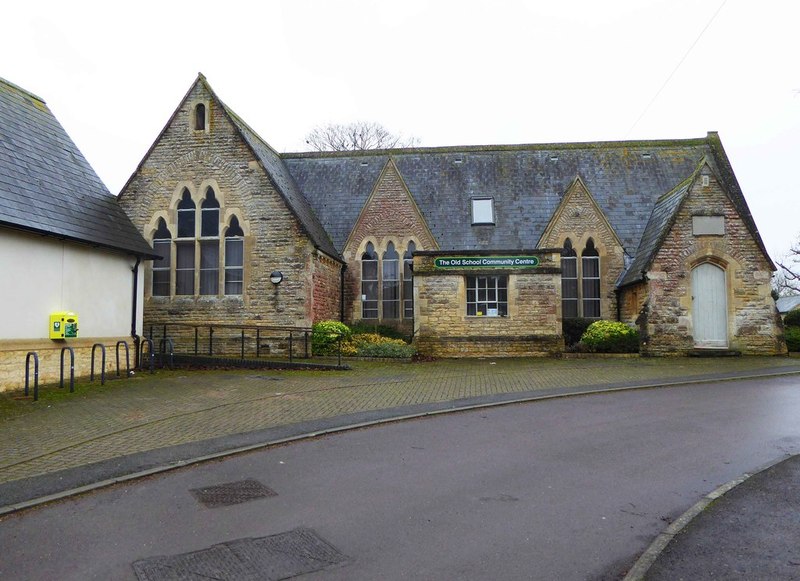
<point x="240" y="341"/>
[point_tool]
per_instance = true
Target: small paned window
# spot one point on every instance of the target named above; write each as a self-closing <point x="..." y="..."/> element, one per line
<point x="391" y="283"/>
<point x="162" y="245"/>
<point x="408" y="282"/>
<point x="234" y="258"/>
<point x="369" y="283"/>
<point x="184" y="268"/>
<point x="209" y="221"/>
<point x="483" y="211"/>
<point x="487" y="296"/>
<point x="200" y="117"/>
<point x="186" y="212"/>
<point x="590" y="272"/>
<point x="569" y="281"/>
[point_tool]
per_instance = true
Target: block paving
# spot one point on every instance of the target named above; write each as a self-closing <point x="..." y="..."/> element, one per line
<point x="169" y="408"/>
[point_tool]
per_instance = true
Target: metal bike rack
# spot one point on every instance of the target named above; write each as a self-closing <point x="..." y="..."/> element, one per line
<point x="35" y="374"/>
<point x="150" y="352"/>
<point x="162" y="350"/>
<point x="103" y="365"/>
<point x="71" y="369"/>
<point x="127" y="358"/>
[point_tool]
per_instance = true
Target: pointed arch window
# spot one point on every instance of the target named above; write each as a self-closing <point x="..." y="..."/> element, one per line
<point x="391" y="283"/>
<point x="590" y="283"/>
<point x="186" y="212"/>
<point x="209" y="222"/>
<point x="209" y="245"/>
<point x="369" y="283"/>
<point x="234" y="258"/>
<point x="162" y="245"/>
<point x="569" y="281"/>
<point x="408" y="282"/>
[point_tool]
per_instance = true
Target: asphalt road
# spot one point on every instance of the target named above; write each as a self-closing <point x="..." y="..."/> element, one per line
<point x="565" y="489"/>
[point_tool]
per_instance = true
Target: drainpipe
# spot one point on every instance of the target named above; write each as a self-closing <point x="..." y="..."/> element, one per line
<point x="341" y="293"/>
<point x="135" y="271"/>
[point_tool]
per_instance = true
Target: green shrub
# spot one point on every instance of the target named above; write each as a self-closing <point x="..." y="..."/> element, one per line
<point x="361" y="328"/>
<point x="374" y="345"/>
<point x="325" y="337"/>
<point x="793" y="338"/>
<point x="611" y="337"/>
<point x="573" y="330"/>
<point x="792" y="318"/>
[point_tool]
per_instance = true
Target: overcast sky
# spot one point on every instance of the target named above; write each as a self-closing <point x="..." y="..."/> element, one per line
<point x="446" y="72"/>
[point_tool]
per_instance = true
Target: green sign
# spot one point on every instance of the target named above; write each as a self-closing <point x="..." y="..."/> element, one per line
<point x="487" y="262"/>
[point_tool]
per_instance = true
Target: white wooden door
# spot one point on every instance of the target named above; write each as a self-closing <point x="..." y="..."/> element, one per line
<point x="709" y="306"/>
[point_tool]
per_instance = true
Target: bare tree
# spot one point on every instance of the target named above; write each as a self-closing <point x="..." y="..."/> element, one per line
<point x="356" y="136"/>
<point x="787" y="280"/>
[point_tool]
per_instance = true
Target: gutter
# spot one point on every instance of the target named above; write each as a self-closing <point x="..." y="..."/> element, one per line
<point x="135" y="271"/>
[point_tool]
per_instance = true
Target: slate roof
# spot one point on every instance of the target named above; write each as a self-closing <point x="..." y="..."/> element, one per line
<point x="281" y="178"/>
<point x="628" y="180"/>
<point x="527" y="183"/>
<point x="661" y="220"/>
<point x="48" y="187"/>
<point x="786" y="304"/>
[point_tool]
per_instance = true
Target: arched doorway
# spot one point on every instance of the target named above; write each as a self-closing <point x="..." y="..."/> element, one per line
<point x="709" y="306"/>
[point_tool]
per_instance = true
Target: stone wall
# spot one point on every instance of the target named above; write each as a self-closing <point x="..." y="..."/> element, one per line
<point x="579" y="219"/>
<point x="753" y="322"/>
<point x="532" y="327"/>
<point x="389" y="215"/>
<point x="183" y="157"/>
<point x="327" y="288"/>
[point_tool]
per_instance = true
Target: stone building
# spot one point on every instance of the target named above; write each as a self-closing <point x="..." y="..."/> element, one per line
<point x="477" y="250"/>
<point x="66" y="246"/>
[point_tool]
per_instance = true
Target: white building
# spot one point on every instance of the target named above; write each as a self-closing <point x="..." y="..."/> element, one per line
<point x="65" y="246"/>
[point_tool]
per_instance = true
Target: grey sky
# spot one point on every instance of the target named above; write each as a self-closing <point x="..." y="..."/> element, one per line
<point x="449" y="73"/>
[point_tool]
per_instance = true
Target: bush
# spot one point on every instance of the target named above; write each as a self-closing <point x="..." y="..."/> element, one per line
<point x="325" y="337"/>
<point x="611" y="337"/>
<point x="374" y="345"/>
<point x="792" y="318"/>
<point x="361" y="328"/>
<point x="573" y="330"/>
<point x="793" y="338"/>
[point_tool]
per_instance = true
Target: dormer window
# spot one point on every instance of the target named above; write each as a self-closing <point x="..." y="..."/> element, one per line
<point x="200" y="117"/>
<point x="482" y="211"/>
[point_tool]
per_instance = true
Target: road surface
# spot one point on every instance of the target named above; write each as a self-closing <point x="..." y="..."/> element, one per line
<point x="574" y="488"/>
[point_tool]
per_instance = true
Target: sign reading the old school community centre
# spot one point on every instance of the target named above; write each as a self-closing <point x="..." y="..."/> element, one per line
<point x="487" y="262"/>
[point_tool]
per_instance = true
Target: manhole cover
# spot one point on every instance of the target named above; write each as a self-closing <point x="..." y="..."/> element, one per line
<point x="232" y="493"/>
<point x="275" y="557"/>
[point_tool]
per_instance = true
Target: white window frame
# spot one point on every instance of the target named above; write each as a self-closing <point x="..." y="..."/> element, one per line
<point x="483" y="211"/>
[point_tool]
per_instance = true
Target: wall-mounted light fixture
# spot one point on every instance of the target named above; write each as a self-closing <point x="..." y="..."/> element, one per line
<point x="276" y="277"/>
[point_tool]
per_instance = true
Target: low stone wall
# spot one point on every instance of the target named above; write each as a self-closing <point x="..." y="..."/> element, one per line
<point x="13" y="354"/>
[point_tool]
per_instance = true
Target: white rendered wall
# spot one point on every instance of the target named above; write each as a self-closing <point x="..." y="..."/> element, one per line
<point x="41" y="275"/>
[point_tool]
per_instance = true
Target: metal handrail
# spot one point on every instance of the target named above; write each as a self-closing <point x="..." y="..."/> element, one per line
<point x="193" y="340"/>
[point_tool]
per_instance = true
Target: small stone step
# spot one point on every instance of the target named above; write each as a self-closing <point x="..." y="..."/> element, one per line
<point x="715" y="353"/>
